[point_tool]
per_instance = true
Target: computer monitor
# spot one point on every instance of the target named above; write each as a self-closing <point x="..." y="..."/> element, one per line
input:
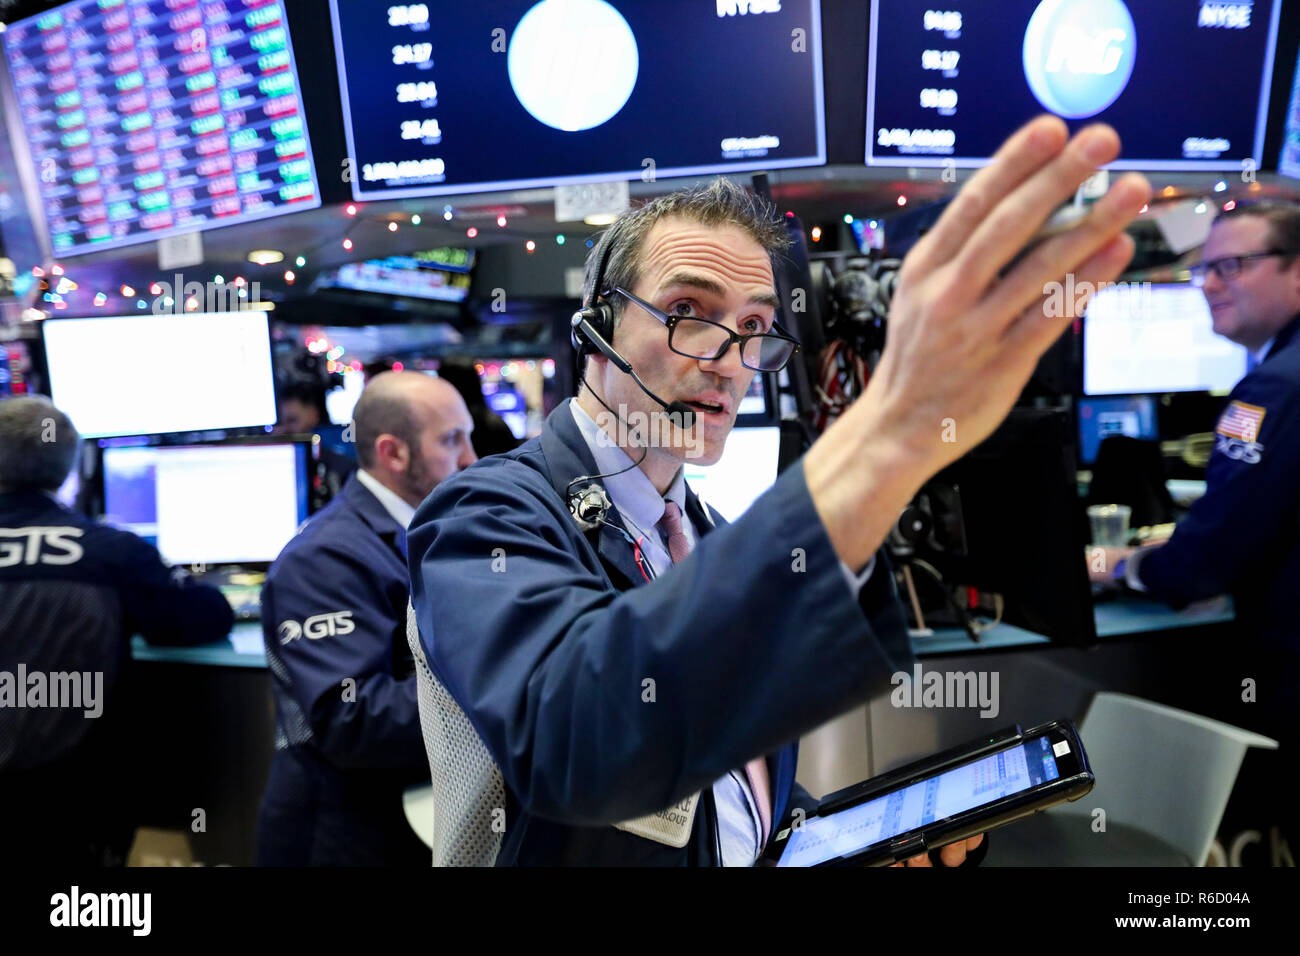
<point x="209" y="504"/>
<point x="152" y="374"/>
<point x="1100" y="418"/>
<point x="747" y="468"/>
<point x="1145" y="339"/>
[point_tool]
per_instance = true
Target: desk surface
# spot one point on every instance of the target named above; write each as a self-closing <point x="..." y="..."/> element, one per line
<point x="1121" y="617"/>
<point x="243" y="648"/>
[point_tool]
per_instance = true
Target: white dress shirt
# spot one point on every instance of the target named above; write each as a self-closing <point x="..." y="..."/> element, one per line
<point x="402" y="512"/>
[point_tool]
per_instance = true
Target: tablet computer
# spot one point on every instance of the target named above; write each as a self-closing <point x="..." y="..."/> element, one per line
<point x="953" y="795"/>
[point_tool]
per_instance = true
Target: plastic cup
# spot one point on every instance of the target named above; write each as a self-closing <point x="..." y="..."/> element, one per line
<point x="1109" y="525"/>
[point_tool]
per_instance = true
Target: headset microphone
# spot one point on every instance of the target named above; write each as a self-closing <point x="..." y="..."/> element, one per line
<point x="584" y="329"/>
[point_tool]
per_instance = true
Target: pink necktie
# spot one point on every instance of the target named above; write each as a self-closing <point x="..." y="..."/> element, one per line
<point x="679" y="546"/>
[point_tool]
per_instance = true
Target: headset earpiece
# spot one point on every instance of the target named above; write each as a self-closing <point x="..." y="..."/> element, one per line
<point x="601" y="319"/>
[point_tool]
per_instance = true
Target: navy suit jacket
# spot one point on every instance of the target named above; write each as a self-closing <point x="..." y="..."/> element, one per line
<point x="549" y="640"/>
<point x="334" y="610"/>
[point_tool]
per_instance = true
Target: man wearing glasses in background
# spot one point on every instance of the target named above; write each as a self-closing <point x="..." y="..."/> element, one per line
<point x="1243" y="536"/>
<point x="618" y="677"/>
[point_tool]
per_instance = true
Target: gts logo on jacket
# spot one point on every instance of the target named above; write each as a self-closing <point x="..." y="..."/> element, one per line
<point x="317" y="626"/>
<point x="42" y="546"/>
<point x="1238" y="450"/>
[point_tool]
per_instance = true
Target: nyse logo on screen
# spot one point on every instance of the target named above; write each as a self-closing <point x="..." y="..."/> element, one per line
<point x="317" y="626"/>
<point x="731" y="8"/>
<point x="1079" y="55"/>
<point x="1225" y="16"/>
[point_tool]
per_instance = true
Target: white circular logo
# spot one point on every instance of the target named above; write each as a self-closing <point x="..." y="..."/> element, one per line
<point x="572" y="63"/>
<point x="1079" y="55"/>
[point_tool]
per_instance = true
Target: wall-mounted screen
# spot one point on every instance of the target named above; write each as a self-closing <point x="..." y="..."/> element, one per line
<point x="498" y="94"/>
<point x="147" y="118"/>
<point x="1288" y="163"/>
<point x="1185" y="83"/>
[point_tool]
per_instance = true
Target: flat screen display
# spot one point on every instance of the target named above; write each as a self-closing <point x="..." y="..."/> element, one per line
<point x="497" y="94"/>
<point x="966" y="787"/>
<point x="1185" y="83"/>
<point x="1143" y="339"/>
<point x="152" y="374"/>
<point x="747" y="468"/>
<point x="147" y="118"/>
<point x="214" y="504"/>
<point x="1288" y="163"/>
<point x="1102" y="418"/>
<point x="399" y="276"/>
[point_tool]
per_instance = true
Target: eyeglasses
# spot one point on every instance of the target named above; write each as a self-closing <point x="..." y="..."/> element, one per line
<point x="1227" y="267"/>
<point x="708" y="341"/>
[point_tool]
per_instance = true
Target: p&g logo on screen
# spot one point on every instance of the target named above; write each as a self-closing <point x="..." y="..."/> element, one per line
<point x="1079" y="55"/>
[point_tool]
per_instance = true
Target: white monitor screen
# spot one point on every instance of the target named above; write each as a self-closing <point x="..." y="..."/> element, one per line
<point x="746" y="469"/>
<point x="151" y="374"/>
<point x="214" y="504"/>
<point x="1142" y="339"/>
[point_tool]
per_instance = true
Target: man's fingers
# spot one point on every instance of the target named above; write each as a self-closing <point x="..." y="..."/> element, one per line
<point x="1020" y="156"/>
<point x="1071" y="252"/>
<point x="953" y="854"/>
<point x="1017" y="217"/>
<point x="921" y="860"/>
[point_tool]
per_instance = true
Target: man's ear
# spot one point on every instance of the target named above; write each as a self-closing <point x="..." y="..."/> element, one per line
<point x="392" y="452"/>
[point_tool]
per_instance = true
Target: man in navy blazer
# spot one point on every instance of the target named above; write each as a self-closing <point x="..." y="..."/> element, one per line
<point x="347" y="739"/>
<point x="639" y="676"/>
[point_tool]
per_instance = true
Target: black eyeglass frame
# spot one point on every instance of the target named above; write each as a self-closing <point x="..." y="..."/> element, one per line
<point x="1201" y="270"/>
<point x="733" y="337"/>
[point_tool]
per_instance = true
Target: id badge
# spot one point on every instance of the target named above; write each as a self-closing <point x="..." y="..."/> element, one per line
<point x="671" y="827"/>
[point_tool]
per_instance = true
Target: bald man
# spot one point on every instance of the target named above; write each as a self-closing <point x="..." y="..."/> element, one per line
<point x="334" y="622"/>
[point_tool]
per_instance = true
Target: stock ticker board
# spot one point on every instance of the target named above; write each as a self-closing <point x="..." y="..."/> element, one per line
<point x="147" y="119"/>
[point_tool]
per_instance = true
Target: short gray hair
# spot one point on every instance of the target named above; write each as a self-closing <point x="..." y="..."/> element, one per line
<point x="38" y="445"/>
<point x="718" y="203"/>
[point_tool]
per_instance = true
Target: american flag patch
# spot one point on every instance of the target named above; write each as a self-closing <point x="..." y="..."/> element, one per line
<point x="1240" y="420"/>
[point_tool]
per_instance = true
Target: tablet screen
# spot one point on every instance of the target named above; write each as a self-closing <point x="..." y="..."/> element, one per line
<point x="965" y="787"/>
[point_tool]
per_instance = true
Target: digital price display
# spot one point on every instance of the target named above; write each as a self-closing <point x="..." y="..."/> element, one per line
<point x="497" y="94"/>
<point x="146" y="119"/>
<point x="1288" y="163"/>
<point x="1185" y="83"/>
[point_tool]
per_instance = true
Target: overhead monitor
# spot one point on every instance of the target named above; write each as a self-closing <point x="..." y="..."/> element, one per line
<point x="209" y="504"/>
<point x="1288" y="163"/>
<point x="500" y="94"/>
<point x="152" y="374"/>
<point x="398" y="276"/>
<point x="1144" y="339"/>
<point x="747" y="468"/>
<point x="143" y="120"/>
<point x="1185" y="83"/>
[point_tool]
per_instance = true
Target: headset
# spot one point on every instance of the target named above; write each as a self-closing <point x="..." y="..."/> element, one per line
<point x="590" y="331"/>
